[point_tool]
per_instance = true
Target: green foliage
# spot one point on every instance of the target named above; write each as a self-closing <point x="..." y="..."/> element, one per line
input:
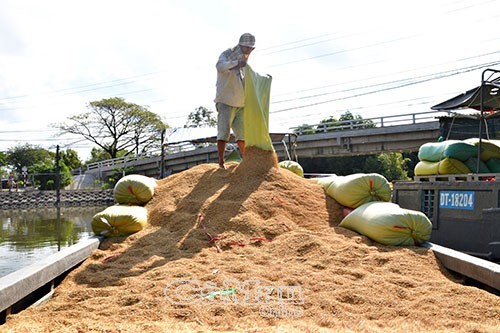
<point x="304" y="129"/>
<point x="391" y="165"/>
<point x="70" y="159"/>
<point x="115" y="125"/>
<point x="3" y="159"/>
<point x="98" y="154"/>
<point x="200" y="117"/>
<point x="118" y="173"/>
<point x="44" y="173"/>
<point x="3" y="173"/>
<point x="28" y="155"/>
<point x="346" y="121"/>
<point x="50" y="184"/>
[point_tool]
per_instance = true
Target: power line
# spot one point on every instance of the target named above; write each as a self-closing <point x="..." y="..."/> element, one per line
<point x="453" y="73"/>
<point x="85" y="88"/>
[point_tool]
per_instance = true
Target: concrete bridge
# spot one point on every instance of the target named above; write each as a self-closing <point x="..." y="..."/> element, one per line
<point x="400" y="133"/>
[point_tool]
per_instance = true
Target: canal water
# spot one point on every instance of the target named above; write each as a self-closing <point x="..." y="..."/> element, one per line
<point x="28" y="235"/>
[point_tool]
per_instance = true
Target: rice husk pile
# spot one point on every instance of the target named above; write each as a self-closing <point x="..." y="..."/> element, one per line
<point x="274" y="237"/>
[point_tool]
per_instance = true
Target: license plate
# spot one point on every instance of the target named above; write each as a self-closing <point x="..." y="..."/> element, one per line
<point x="457" y="199"/>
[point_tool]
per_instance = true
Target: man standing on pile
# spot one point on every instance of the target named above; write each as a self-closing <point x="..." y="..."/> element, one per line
<point x="230" y="95"/>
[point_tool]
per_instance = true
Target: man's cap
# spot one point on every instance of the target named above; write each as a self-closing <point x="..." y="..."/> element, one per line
<point x="247" y="40"/>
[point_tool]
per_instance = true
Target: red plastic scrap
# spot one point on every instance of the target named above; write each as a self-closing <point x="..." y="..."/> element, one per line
<point x="112" y="257"/>
<point x="213" y="239"/>
<point x="234" y="243"/>
<point x="399" y="227"/>
<point x="279" y="200"/>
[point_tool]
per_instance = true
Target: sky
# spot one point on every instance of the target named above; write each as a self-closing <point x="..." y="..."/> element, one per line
<point x="372" y="58"/>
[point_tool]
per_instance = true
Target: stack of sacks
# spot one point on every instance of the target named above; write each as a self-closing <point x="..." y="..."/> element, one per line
<point x="444" y="158"/>
<point x="372" y="214"/>
<point x="490" y="155"/>
<point x="128" y="216"/>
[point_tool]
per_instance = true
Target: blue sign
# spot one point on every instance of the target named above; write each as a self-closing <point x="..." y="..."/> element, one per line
<point x="457" y="199"/>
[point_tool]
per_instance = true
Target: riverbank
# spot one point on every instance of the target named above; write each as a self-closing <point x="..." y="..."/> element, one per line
<point x="41" y="199"/>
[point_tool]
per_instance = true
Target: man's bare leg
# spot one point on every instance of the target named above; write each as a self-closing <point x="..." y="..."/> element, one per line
<point x="221" y="148"/>
<point x="241" y="147"/>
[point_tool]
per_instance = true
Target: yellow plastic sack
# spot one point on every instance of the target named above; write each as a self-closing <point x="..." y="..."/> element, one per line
<point x="256" y="112"/>
<point x="354" y="190"/>
<point x="448" y="166"/>
<point x="119" y="220"/>
<point x="293" y="166"/>
<point x="134" y="189"/>
<point x="326" y="181"/>
<point x="389" y="224"/>
<point x="489" y="148"/>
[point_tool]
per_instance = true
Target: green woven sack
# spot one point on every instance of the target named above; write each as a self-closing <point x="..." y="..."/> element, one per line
<point x="293" y="166"/>
<point x="493" y="164"/>
<point x="471" y="163"/>
<point x="431" y="151"/>
<point x="354" y="190"/>
<point x="119" y="220"/>
<point x="436" y="151"/>
<point x="134" y="189"/>
<point x="389" y="224"/>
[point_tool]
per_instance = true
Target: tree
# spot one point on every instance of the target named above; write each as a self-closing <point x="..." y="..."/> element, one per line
<point x="330" y="124"/>
<point x="3" y="159"/>
<point x="304" y="129"/>
<point x="28" y="155"/>
<point x="70" y="159"/>
<point x="44" y="174"/>
<point x="3" y="163"/>
<point x="392" y="165"/>
<point x="346" y="116"/>
<point x="200" y="117"/>
<point x="98" y="154"/>
<point x="40" y="163"/>
<point x="346" y="120"/>
<point x="115" y="125"/>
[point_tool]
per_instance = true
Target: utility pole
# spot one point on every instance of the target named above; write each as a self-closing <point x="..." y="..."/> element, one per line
<point x="162" y="155"/>
<point x="58" y="179"/>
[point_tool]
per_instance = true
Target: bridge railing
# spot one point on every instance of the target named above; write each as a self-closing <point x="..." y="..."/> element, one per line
<point x="385" y="121"/>
<point x="119" y="161"/>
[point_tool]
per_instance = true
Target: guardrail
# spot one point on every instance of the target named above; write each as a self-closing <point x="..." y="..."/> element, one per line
<point x="117" y="161"/>
<point x="28" y="285"/>
<point x="376" y="122"/>
<point x="384" y="121"/>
